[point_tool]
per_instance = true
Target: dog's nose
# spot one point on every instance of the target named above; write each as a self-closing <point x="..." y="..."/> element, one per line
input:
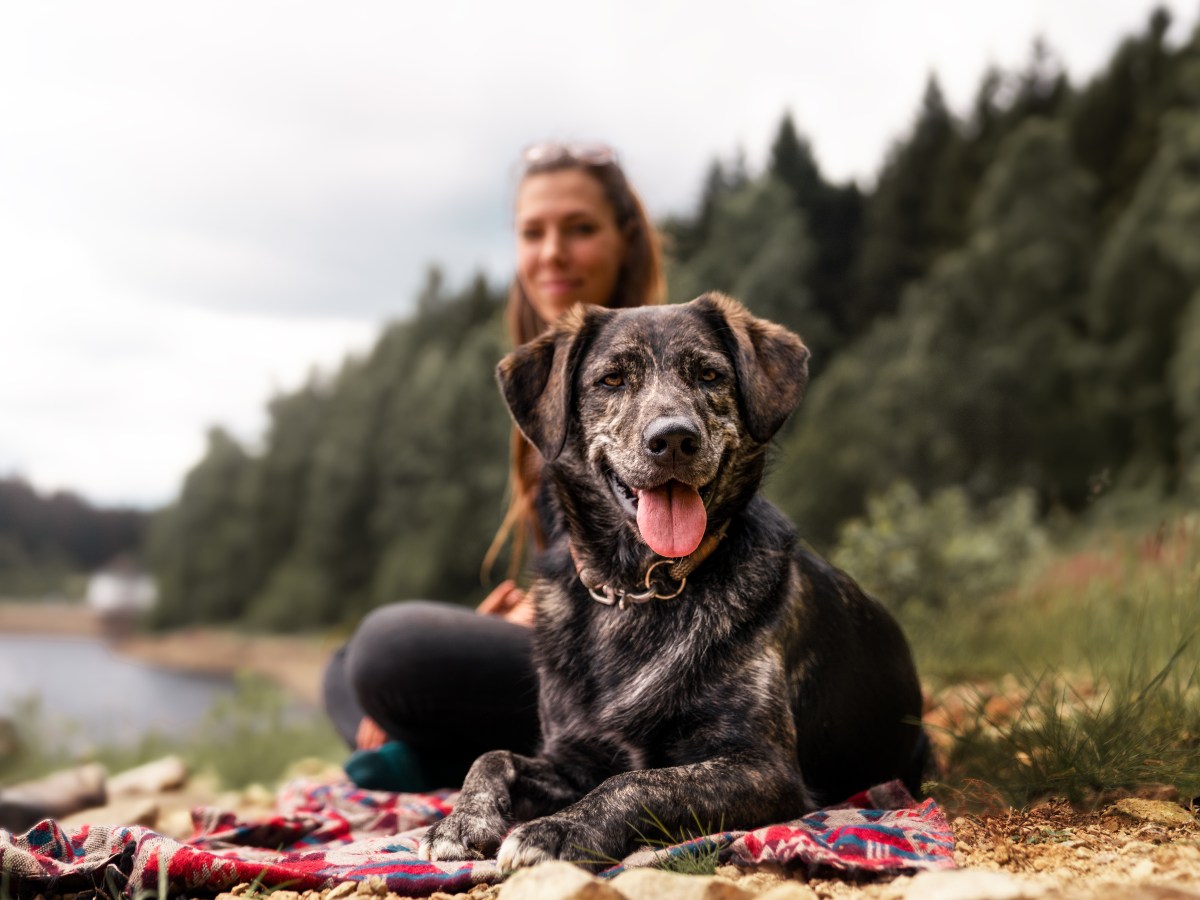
<point x="671" y="437"/>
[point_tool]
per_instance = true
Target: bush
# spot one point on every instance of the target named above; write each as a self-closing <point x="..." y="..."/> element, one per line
<point x="935" y="553"/>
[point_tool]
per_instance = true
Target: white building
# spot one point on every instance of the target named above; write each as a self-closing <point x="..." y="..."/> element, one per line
<point x="121" y="587"/>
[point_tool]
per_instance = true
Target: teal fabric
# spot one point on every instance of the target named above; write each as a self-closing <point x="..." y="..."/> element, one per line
<point x="391" y="767"/>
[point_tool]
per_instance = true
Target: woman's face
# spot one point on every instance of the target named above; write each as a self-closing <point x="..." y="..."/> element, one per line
<point x="569" y="247"/>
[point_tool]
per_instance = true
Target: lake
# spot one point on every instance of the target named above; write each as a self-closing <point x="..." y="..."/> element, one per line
<point x="90" y="695"/>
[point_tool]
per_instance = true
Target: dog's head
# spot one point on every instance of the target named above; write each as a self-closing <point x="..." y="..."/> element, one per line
<point x="667" y="409"/>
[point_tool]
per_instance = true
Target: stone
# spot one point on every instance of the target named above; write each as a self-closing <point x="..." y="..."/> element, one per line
<point x="557" y="881"/>
<point x="53" y="796"/>
<point x="138" y="811"/>
<point x="970" y="884"/>
<point x="1123" y="891"/>
<point x="655" y="884"/>
<point x="1157" y="812"/>
<point x="755" y="879"/>
<point x="789" y="890"/>
<point x="167" y="774"/>
<point x="345" y="889"/>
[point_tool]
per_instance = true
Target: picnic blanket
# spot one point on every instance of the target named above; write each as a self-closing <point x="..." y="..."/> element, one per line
<point x="323" y="834"/>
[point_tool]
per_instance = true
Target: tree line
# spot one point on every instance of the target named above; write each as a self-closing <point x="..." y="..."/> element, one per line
<point x="1013" y="304"/>
<point x="45" y="537"/>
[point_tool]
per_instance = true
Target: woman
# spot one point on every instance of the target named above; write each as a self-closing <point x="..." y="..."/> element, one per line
<point x="422" y="689"/>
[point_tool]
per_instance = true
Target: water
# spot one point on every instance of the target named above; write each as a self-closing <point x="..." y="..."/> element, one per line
<point x="91" y="696"/>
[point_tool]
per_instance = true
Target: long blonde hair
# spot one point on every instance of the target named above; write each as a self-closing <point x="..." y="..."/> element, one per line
<point x="639" y="283"/>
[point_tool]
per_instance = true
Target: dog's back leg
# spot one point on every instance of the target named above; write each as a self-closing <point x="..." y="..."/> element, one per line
<point x="501" y="788"/>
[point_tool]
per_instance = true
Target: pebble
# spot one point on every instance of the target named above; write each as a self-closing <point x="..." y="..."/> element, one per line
<point x="372" y="887"/>
<point x="789" y="890"/>
<point x="556" y="881"/>
<point x="655" y="884"/>
<point x="166" y="774"/>
<point x="345" y="889"/>
<point x="970" y="884"/>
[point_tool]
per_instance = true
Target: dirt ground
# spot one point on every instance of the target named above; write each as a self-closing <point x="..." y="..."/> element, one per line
<point x="1135" y="848"/>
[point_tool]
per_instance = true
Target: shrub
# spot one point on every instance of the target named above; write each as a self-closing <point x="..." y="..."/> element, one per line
<point x="910" y="552"/>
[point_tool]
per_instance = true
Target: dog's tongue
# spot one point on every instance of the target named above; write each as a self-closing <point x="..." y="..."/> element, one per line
<point x="671" y="519"/>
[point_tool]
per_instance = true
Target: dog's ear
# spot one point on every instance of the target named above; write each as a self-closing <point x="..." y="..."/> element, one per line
<point x="537" y="378"/>
<point x="771" y="363"/>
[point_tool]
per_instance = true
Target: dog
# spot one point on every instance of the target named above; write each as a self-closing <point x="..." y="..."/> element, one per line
<point x="695" y="662"/>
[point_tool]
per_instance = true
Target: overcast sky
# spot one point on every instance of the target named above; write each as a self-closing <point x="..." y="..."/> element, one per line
<point x="199" y="202"/>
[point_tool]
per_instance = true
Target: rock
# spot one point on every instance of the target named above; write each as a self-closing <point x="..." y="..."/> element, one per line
<point x="789" y="890"/>
<point x="755" y="879"/>
<point x="285" y="895"/>
<point x="1158" y="812"/>
<point x="970" y="884"/>
<point x="139" y="811"/>
<point x="557" y="881"/>
<point x="1123" y="892"/>
<point x="166" y="774"/>
<point x="372" y="887"/>
<point x="655" y="884"/>
<point x="345" y="889"/>
<point x="52" y="797"/>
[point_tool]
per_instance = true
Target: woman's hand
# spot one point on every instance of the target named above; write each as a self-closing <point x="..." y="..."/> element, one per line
<point x="370" y="736"/>
<point x="509" y="602"/>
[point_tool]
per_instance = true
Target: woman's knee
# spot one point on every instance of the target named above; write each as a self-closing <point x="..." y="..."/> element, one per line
<point x="397" y="645"/>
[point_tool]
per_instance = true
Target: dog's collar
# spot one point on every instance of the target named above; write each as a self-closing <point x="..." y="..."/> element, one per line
<point x="678" y="572"/>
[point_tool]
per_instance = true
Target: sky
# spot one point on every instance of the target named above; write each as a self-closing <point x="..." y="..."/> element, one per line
<point x="201" y="204"/>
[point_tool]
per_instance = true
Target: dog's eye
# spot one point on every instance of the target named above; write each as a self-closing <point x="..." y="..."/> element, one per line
<point x="613" y="379"/>
<point x="709" y="375"/>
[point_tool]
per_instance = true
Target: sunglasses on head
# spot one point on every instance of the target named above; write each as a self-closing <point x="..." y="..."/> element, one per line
<point x="552" y="152"/>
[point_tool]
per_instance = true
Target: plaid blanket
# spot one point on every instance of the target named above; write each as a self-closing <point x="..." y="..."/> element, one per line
<point x="323" y="834"/>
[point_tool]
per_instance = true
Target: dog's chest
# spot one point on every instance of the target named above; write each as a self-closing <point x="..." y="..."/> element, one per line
<point x="619" y="669"/>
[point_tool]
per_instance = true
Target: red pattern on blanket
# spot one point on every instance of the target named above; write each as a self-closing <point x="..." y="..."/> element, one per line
<point x="324" y="834"/>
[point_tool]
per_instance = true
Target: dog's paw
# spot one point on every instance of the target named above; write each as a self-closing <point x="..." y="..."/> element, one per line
<point x="552" y="837"/>
<point x="461" y="836"/>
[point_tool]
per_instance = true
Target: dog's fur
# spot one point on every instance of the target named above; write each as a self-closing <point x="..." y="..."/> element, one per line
<point x="772" y="683"/>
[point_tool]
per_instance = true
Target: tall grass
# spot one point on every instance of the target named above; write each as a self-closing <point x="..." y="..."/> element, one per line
<point x="1105" y="647"/>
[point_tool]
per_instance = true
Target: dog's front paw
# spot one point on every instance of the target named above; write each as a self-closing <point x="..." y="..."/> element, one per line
<point x="552" y="837"/>
<point x="461" y="835"/>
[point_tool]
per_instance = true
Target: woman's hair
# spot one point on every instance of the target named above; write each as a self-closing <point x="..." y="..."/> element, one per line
<point x="639" y="283"/>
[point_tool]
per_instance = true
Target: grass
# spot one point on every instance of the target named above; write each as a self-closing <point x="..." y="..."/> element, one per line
<point x="1105" y="644"/>
<point x="685" y="853"/>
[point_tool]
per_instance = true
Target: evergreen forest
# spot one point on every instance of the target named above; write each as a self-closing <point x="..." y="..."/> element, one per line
<point x="46" y="540"/>
<point x="1013" y="307"/>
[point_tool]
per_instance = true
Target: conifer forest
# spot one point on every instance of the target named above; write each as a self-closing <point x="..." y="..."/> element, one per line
<point x="1012" y="308"/>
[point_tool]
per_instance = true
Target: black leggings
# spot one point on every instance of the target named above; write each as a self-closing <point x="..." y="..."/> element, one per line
<point x="448" y="682"/>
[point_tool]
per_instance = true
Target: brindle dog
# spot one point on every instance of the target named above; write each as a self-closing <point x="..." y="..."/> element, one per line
<point x="742" y="684"/>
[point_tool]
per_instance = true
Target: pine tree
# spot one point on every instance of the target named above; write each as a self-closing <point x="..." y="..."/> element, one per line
<point x="1146" y="274"/>
<point x="902" y="233"/>
<point x="834" y="218"/>
<point x="978" y="379"/>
